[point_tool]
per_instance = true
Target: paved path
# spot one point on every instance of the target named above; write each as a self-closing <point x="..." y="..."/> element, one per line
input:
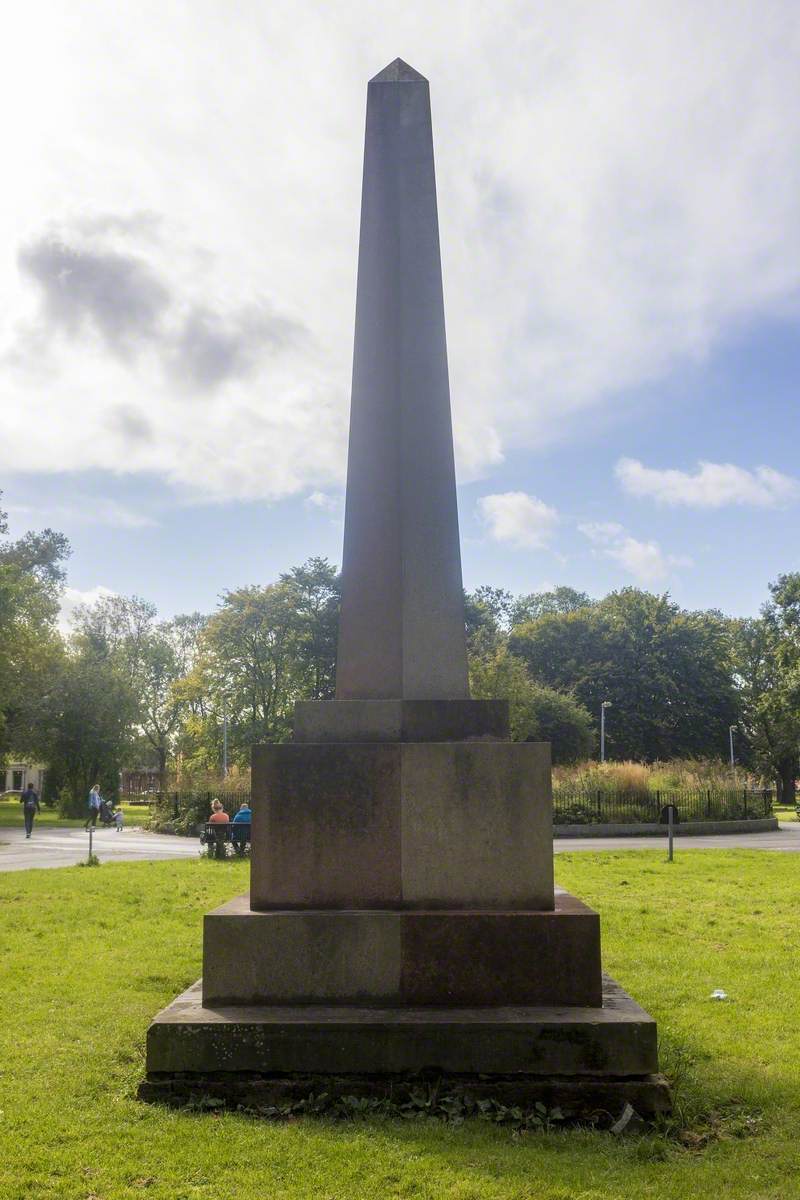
<point x="785" y="838"/>
<point x="64" y="847"/>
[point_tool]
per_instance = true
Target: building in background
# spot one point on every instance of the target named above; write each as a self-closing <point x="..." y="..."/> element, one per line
<point x="16" y="776"/>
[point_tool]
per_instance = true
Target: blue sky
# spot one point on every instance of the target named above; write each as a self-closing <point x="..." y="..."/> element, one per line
<point x="618" y="202"/>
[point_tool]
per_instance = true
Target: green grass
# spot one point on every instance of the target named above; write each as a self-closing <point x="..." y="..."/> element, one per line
<point x="11" y="815"/>
<point x="87" y="957"/>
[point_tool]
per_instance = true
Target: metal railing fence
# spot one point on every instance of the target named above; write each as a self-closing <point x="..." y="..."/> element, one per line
<point x="575" y="806"/>
<point x="571" y="806"/>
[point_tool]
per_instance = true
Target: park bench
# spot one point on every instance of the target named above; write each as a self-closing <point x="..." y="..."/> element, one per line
<point x="219" y="835"/>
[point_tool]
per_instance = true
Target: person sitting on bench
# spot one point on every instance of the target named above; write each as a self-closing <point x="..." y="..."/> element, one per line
<point x="240" y="830"/>
<point x="220" y="818"/>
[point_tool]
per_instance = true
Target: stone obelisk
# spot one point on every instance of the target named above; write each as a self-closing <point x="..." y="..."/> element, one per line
<point x="401" y="632"/>
<point x="402" y="914"/>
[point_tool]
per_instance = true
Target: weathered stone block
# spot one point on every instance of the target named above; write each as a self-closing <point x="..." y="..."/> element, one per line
<point x="400" y="720"/>
<point x="402" y="957"/>
<point x="615" y="1041"/>
<point x="402" y="824"/>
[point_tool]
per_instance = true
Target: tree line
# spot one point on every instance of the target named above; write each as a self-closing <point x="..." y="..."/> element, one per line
<point x="125" y="688"/>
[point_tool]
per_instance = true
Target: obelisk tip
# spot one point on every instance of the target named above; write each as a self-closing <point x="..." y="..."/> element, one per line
<point x="398" y="72"/>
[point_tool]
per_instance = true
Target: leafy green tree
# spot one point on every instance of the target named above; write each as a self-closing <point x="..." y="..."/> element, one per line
<point x="767" y="658"/>
<point x="152" y="657"/>
<point x="317" y="590"/>
<point x="668" y="673"/>
<point x="537" y="712"/>
<point x="84" y="724"/>
<point x="486" y="617"/>
<point x="31" y="576"/>
<point x="264" y="649"/>
<point x="542" y="604"/>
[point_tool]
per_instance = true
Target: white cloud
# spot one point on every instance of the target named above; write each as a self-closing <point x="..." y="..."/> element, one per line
<point x="324" y="501"/>
<point x="90" y="510"/>
<point x="72" y="598"/>
<point x="602" y="532"/>
<point x="519" y="519"/>
<point x="713" y="485"/>
<point x="645" y="561"/>
<point x="616" y="195"/>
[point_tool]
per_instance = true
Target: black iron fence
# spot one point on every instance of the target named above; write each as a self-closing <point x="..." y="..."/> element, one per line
<point x="583" y="807"/>
<point x="187" y="811"/>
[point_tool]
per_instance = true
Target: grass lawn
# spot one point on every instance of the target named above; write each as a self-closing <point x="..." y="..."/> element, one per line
<point x="88" y="956"/>
<point x="11" y="815"/>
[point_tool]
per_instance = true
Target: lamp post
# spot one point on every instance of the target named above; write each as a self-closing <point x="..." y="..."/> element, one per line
<point x="224" y="739"/>
<point x="731" y="728"/>
<point x="606" y="704"/>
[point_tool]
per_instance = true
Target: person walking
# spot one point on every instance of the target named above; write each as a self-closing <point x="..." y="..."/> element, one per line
<point x="95" y="800"/>
<point x="30" y="807"/>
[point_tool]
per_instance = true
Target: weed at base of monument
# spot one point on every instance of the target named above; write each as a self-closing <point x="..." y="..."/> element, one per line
<point x="421" y="1103"/>
<point x="91" y="861"/>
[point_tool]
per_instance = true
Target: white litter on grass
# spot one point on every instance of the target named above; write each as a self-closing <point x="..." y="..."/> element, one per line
<point x="628" y="1113"/>
<point x="718" y="994"/>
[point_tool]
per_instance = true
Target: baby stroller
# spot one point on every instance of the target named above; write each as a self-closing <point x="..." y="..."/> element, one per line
<point x="106" y="813"/>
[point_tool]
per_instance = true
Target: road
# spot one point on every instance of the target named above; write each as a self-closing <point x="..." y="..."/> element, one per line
<point x="785" y="838"/>
<point x="64" y="847"/>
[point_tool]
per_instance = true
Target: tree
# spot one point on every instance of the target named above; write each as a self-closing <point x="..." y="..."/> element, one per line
<point x="537" y="713"/>
<point x="486" y="618"/>
<point x="541" y="604"/>
<point x="84" y="722"/>
<point x="264" y="649"/>
<point x="767" y="655"/>
<point x="152" y="657"/>
<point x="317" y="589"/>
<point x="668" y="673"/>
<point x="31" y="576"/>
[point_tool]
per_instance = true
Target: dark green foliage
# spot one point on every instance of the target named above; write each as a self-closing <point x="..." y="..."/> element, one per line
<point x="667" y="672"/>
<point x="538" y="713"/>
<point x="767" y="665"/>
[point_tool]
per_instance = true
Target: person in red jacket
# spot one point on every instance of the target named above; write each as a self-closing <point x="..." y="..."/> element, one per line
<point x="221" y="818"/>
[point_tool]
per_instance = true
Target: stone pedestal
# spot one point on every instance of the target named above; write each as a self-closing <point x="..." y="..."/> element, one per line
<point x="370" y="825"/>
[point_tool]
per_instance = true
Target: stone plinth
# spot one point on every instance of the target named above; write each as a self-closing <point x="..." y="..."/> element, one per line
<point x="617" y="1039"/>
<point x="382" y="958"/>
<point x="456" y="825"/>
<point x="401" y="720"/>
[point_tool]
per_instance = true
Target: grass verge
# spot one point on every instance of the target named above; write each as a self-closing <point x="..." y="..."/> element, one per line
<point x="87" y="957"/>
<point x="11" y="816"/>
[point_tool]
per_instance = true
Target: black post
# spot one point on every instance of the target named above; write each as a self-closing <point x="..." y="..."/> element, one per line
<point x="600" y="805"/>
<point x="708" y="804"/>
<point x="745" y="804"/>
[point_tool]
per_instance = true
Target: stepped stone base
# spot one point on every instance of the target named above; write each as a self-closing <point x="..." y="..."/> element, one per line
<point x="582" y="1057"/>
<point x="393" y="958"/>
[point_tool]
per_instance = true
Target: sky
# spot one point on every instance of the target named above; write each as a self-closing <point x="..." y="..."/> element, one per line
<point x="619" y="189"/>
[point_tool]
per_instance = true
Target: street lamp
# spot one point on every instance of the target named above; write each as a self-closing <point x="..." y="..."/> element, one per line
<point x="606" y="704"/>
<point x="224" y="738"/>
<point x="731" y="729"/>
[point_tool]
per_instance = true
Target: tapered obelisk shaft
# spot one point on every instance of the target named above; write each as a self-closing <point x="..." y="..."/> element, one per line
<point x="402" y="621"/>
